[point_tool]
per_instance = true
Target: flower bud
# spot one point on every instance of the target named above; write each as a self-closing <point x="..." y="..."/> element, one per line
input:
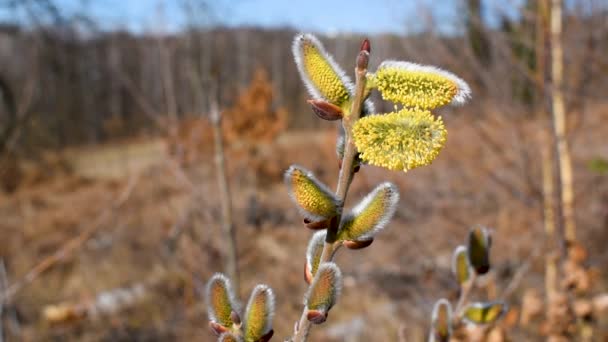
<point x="326" y="110"/>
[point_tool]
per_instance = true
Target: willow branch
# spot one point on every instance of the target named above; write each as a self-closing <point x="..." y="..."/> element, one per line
<point x="225" y="199"/>
<point x="345" y="178"/>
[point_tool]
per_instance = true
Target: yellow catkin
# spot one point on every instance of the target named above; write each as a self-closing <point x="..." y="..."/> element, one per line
<point x="441" y="320"/>
<point x="460" y="265"/>
<point x="371" y="215"/>
<point x="313" y="199"/>
<point x="400" y="140"/>
<point x="325" y="289"/>
<point x="220" y="300"/>
<point x="322" y="76"/>
<point x="259" y="313"/>
<point x="417" y="86"/>
<point x="314" y="251"/>
<point x="484" y="313"/>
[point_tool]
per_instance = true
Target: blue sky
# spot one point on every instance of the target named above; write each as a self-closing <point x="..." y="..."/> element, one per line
<point x="326" y="16"/>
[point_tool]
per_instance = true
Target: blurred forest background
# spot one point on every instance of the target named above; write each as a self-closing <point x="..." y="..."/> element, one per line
<point x="110" y="214"/>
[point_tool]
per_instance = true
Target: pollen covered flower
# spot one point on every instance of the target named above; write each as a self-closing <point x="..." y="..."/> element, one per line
<point x="322" y="75"/>
<point x="419" y="86"/>
<point x="400" y="140"/>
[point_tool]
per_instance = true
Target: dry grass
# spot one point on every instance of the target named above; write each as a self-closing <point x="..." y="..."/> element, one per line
<point x="169" y="226"/>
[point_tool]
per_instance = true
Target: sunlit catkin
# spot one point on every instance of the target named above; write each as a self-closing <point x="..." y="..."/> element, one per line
<point x="400" y="140"/>
<point x="419" y="86"/>
<point x="323" y="77"/>
<point x="371" y="215"/>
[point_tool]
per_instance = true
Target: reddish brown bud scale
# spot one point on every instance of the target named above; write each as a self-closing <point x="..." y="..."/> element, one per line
<point x="316" y="316"/>
<point x="362" y="60"/>
<point x="357" y="244"/>
<point x="316" y="225"/>
<point x="217" y="328"/>
<point x="266" y="336"/>
<point x="325" y="110"/>
<point x="307" y="274"/>
<point x="366" y="46"/>
<point x="235" y="318"/>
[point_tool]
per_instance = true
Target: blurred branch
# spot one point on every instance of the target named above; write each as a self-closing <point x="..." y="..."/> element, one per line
<point x="18" y="113"/>
<point x="3" y="287"/>
<point x="225" y="198"/>
<point x="565" y="190"/>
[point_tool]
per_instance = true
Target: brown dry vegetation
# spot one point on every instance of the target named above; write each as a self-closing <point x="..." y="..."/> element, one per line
<point x="114" y="241"/>
<point x="164" y="235"/>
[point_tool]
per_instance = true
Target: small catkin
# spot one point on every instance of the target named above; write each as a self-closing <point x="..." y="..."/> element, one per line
<point x="371" y="215"/>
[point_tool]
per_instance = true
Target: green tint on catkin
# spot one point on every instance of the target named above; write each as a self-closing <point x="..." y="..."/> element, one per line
<point x="484" y="313"/>
<point x="418" y="86"/>
<point x="478" y="247"/>
<point x="314" y="200"/>
<point x="400" y="140"/>
<point x="371" y="214"/>
<point x="259" y="313"/>
<point x="220" y="300"/>
<point x="460" y="265"/>
<point x="441" y="321"/>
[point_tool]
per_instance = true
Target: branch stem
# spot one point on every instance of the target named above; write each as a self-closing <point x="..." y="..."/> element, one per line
<point x="345" y="178"/>
<point x="228" y="229"/>
<point x="465" y="295"/>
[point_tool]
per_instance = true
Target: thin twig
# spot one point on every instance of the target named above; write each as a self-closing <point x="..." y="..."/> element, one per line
<point x="465" y="295"/>
<point x="3" y="286"/>
<point x="225" y="198"/>
<point x="344" y="180"/>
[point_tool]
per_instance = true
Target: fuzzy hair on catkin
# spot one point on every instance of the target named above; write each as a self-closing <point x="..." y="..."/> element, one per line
<point x="297" y="49"/>
<point x="314" y="249"/>
<point x="224" y="283"/>
<point x="389" y="200"/>
<point x="463" y="93"/>
<point x="326" y="194"/>
<point x="313" y="90"/>
<point x="325" y="288"/>
<point x="259" y="319"/>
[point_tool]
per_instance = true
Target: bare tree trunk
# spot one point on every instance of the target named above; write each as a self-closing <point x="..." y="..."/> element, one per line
<point x="231" y="266"/>
<point x="565" y="190"/>
<point x="548" y="188"/>
<point x="546" y="141"/>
